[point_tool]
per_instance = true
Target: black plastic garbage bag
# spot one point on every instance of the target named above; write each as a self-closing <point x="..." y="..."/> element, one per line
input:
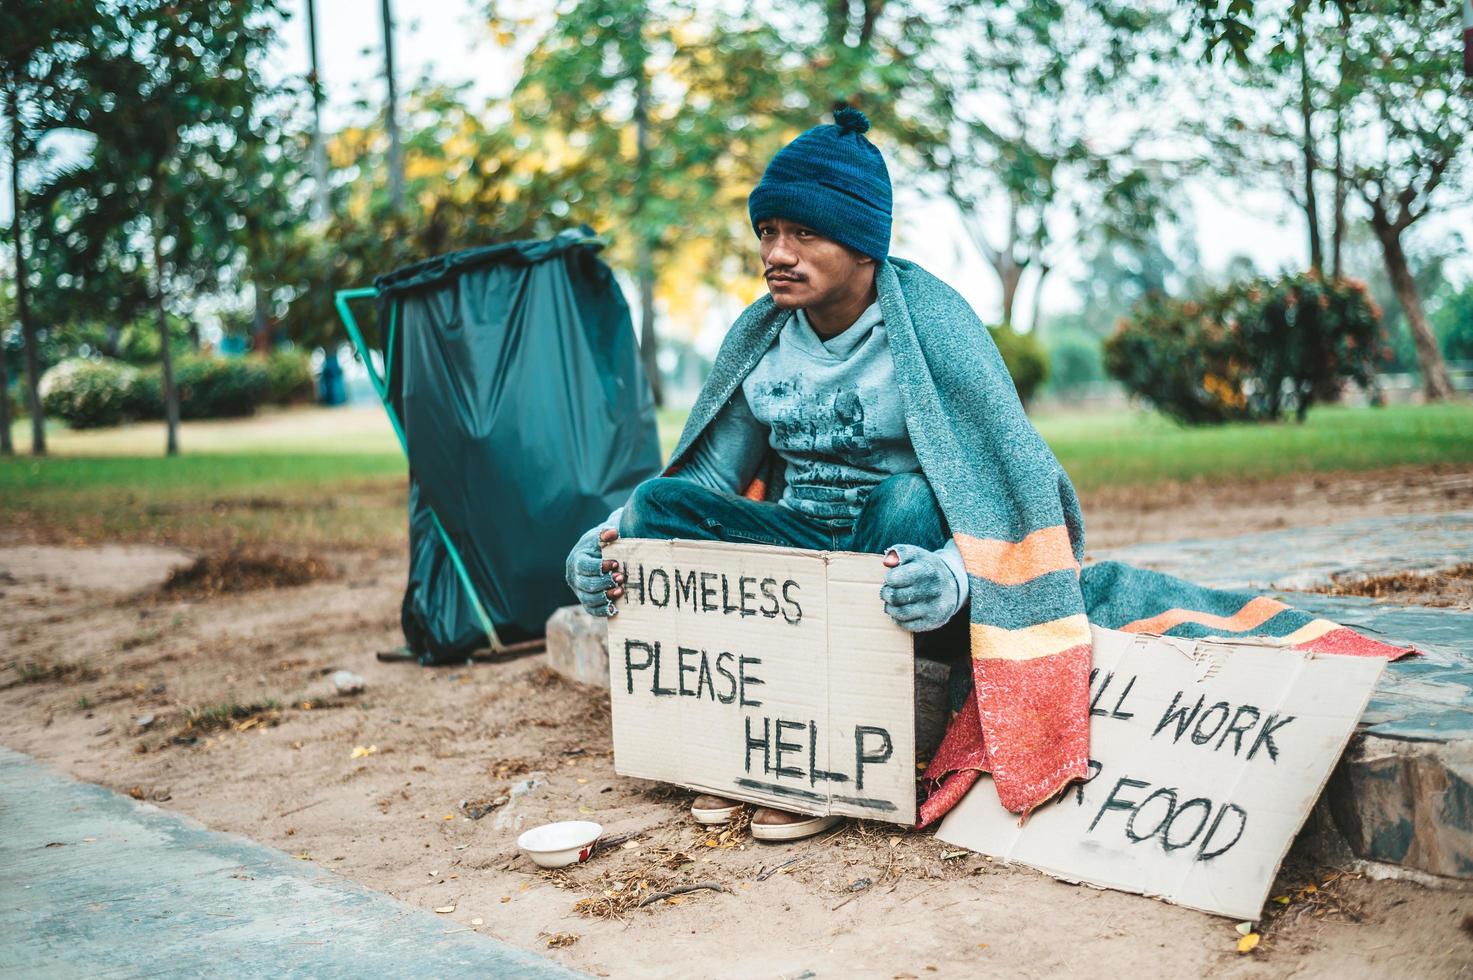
<point x="515" y="377"/>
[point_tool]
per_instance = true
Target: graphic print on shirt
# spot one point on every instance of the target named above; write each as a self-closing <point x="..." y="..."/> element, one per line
<point x="823" y="422"/>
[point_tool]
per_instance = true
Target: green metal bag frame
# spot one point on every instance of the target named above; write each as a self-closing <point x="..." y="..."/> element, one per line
<point x="381" y="385"/>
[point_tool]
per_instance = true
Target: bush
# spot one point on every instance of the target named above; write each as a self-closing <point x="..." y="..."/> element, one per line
<point x="1075" y="360"/>
<point x="146" y="393"/>
<point x="16" y="400"/>
<point x="289" y="378"/>
<point x="1250" y="351"/>
<point x="212" y="387"/>
<point x="1025" y="358"/>
<point x="88" y="394"/>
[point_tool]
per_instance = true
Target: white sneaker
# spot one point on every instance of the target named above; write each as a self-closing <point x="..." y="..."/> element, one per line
<point x="714" y="811"/>
<point x="772" y="824"/>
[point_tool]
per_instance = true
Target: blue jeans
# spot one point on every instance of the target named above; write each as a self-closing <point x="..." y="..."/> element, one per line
<point x="902" y="509"/>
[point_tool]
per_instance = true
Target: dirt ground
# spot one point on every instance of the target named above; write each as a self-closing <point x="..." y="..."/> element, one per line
<point x="209" y="693"/>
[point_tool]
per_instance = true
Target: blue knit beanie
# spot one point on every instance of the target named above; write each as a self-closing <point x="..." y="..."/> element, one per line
<point x="832" y="180"/>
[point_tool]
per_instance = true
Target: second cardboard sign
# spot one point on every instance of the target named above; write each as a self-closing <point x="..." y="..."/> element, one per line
<point x="1205" y="758"/>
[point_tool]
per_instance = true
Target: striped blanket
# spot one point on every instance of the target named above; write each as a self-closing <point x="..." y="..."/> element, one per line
<point x="1015" y="518"/>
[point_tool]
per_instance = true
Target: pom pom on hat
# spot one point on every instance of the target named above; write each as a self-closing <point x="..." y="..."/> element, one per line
<point x="851" y="120"/>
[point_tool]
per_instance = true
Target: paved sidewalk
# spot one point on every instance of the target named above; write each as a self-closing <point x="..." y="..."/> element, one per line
<point x="1304" y="557"/>
<point x="93" y="884"/>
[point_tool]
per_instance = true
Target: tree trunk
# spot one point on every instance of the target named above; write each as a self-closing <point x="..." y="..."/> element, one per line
<point x="1033" y="315"/>
<point x="1009" y="270"/>
<point x="391" y="115"/>
<point x="7" y="447"/>
<point x="1467" y="38"/>
<point x="1311" y="165"/>
<point x="1337" y="242"/>
<point x="648" y="345"/>
<point x="319" y="150"/>
<point x="872" y="11"/>
<point x="22" y="298"/>
<point x="838" y="22"/>
<point x="1010" y="273"/>
<point x="7" y="444"/>
<point x="259" y="339"/>
<point x="1341" y="184"/>
<point x="839" y="17"/>
<point x="166" y="354"/>
<point x="1436" y="384"/>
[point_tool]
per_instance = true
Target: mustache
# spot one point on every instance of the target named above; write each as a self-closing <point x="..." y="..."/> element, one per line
<point x="771" y="274"/>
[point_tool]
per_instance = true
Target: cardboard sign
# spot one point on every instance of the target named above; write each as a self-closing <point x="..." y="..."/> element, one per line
<point x="1206" y="756"/>
<point x="771" y="675"/>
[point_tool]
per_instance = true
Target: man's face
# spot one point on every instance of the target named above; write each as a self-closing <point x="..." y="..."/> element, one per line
<point x="804" y="269"/>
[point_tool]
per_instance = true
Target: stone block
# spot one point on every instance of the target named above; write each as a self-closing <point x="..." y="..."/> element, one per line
<point x="578" y="646"/>
<point x="1406" y="802"/>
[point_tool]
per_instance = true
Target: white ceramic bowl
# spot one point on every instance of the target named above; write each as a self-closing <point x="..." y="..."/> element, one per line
<point x="557" y="845"/>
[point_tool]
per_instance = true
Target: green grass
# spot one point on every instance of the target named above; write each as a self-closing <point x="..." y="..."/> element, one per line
<point x="671" y="421"/>
<point x="27" y="672"/>
<point x="1115" y="448"/>
<point x="309" y="478"/>
<point x="1112" y="449"/>
<point x="302" y="479"/>
<point x="305" y="500"/>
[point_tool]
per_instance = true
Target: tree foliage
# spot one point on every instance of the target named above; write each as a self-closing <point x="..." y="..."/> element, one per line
<point x="659" y="118"/>
<point x="170" y="103"/>
<point x="1415" y="102"/>
<point x="1453" y="322"/>
<point x="1041" y="149"/>
<point x="45" y="48"/>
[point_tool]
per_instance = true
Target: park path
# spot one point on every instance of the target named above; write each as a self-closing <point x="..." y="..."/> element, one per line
<point x="1303" y="557"/>
<point x="93" y="884"/>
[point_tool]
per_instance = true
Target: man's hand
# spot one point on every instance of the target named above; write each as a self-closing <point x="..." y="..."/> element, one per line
<point x="596" y="580"/>
<point x="920" y="592"/>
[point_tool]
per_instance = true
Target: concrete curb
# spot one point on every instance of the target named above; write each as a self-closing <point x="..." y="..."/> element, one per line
<point x="93" y="884"/>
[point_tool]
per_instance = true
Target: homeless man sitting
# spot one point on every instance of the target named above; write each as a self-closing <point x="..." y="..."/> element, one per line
<point x="813" y="407"/>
